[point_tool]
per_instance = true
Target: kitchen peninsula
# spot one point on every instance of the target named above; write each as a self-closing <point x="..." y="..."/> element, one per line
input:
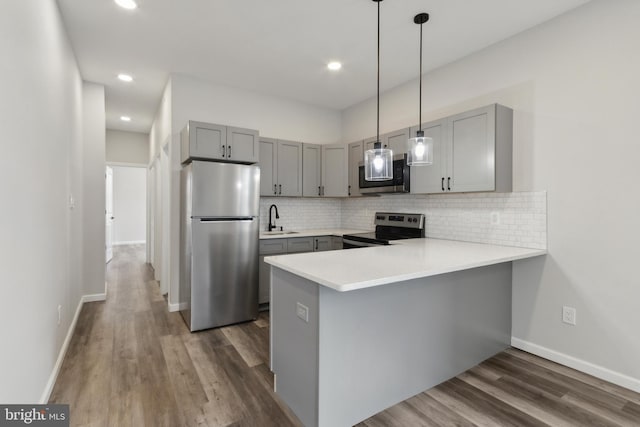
<point x="354" y="332"/>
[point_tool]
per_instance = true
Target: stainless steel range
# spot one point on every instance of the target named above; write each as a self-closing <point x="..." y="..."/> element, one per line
<point x="389" y="226"/>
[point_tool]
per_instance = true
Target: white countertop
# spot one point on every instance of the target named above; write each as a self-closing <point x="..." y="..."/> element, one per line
<point x="311" y="233"/>
<point x="352" y="269"/>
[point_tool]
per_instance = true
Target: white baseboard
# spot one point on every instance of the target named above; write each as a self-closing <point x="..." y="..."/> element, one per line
<point x="65" y="345"/>
<point x="94" y="297"/>
<point x="130" y="242"/>
<point x="177" y="307"/>
<point x="581" y="365"/>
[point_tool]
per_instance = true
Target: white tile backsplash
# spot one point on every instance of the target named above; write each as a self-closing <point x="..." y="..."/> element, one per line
<point x="302" y="213"/>
<point x="466" y="217"/>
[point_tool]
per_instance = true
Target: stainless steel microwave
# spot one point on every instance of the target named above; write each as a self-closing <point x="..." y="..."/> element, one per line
<point x="400" y="183"/>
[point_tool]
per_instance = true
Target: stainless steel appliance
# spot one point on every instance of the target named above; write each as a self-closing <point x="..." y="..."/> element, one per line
<point x="219" y="243"/>
<point x="389" y="226"/>
<point x="400" y="183"/>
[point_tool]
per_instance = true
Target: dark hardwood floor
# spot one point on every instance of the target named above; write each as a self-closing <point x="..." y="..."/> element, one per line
<point x="132" y="363"/>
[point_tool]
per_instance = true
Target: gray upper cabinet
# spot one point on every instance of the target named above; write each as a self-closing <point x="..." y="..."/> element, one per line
<point x="335" y="167"/>
<point x="472" y="152"/>
<point x="311" y="170"/>
<point x="280" y="168"/>
<point x="268" y="167"/>
<point x="356" y="155"/>
<point x="209" y="141"/>
<point x="242" y="145"/>
<point x="369" y="143"/>
<point x="289" y="168"/>
<point x="429" y="179"/>
<point x="396" y="141"/>
<point x="200" y="140"/>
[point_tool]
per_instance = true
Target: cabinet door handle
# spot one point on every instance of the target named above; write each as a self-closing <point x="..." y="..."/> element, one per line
<point x="449" y="183"/>
<point x="443" y="183"/>
<point x="349" y="192"/>
<point x="228" y="151"/>
<point x="280" y="189"/>
<point x="319" y="192"/>
<point x="224" y="147"/>
<point x="275" y="189"/>
<point x="316" y="244"/>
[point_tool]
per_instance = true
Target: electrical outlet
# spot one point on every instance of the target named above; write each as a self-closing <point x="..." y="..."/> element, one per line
<point x="495" y="218"/>
<point x="302" y="311"/>
<point x="59" y="314"/>
<point x="569" y="315"/>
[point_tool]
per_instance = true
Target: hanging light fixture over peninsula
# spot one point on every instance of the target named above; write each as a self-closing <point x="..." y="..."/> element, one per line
<point x="420" y="148"/>
<point x="378" y="162"/>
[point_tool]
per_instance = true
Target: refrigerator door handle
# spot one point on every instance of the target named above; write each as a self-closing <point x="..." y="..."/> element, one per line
<point x="228" y="219"/>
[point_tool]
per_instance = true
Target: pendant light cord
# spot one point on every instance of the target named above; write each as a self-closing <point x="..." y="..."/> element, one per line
<point x="378" y="98"/>
<point x="420" y="95"/>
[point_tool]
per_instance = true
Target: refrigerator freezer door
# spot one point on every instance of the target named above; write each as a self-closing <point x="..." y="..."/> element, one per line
<point x="224" y="272"/>
<point x="224" y="189"/>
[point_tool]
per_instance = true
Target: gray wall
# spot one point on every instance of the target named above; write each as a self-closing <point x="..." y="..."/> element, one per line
<point x="127" y="147"/>
<point x="42" y="238"/>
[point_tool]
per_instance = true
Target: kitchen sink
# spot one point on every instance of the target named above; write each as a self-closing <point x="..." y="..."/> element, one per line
<point x="278" y="232"/>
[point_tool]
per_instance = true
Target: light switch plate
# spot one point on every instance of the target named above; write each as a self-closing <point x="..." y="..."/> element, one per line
<point x="302" y="311"/>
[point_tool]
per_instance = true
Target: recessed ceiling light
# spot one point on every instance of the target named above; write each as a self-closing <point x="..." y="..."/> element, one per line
<point x="127" y="4"/>
<point x="334" y="65"/>
<point x="125" y="77"/>
<point x="125" y="118"/>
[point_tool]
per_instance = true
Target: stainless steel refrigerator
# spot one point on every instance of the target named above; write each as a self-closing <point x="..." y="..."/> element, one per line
<point x="219" y="243"/>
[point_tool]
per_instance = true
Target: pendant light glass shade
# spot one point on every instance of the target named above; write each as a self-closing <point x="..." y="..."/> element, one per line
<point x="378" y="164"/>
<point x="420" y="150"/>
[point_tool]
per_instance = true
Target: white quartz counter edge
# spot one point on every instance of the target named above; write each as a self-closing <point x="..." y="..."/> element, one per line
<point x="312" y="233"/>
<point x="353" y="269"/>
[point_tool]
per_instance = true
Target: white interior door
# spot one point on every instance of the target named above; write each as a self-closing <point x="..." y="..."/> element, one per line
<point x="109" y="214"/>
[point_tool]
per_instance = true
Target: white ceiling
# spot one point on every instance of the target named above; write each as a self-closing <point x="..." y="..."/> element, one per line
<point x="279" y="47"/>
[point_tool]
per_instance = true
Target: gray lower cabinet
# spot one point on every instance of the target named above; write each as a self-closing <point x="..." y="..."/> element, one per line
<point x="336" y="243"/>
<point x="299" y="244"/>
<point x="472" y="152"/>
<point x="280" y="168"/>
<point x="322" y="243"/>
<point x="268" y="247"/>
<point x="356" y="155"/>
<point x="201" y="140"/>
<point x="289" y="245"/>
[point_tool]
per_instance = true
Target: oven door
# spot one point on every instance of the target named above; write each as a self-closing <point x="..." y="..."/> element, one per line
<point x="399" y="183"/>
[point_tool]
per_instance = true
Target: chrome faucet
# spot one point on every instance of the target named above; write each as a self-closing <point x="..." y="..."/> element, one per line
<point x="272" y="225"/>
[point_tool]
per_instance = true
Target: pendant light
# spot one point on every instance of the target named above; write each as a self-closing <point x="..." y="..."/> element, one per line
<point x="378" y="162"/>
<point x="420" y="148"/>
